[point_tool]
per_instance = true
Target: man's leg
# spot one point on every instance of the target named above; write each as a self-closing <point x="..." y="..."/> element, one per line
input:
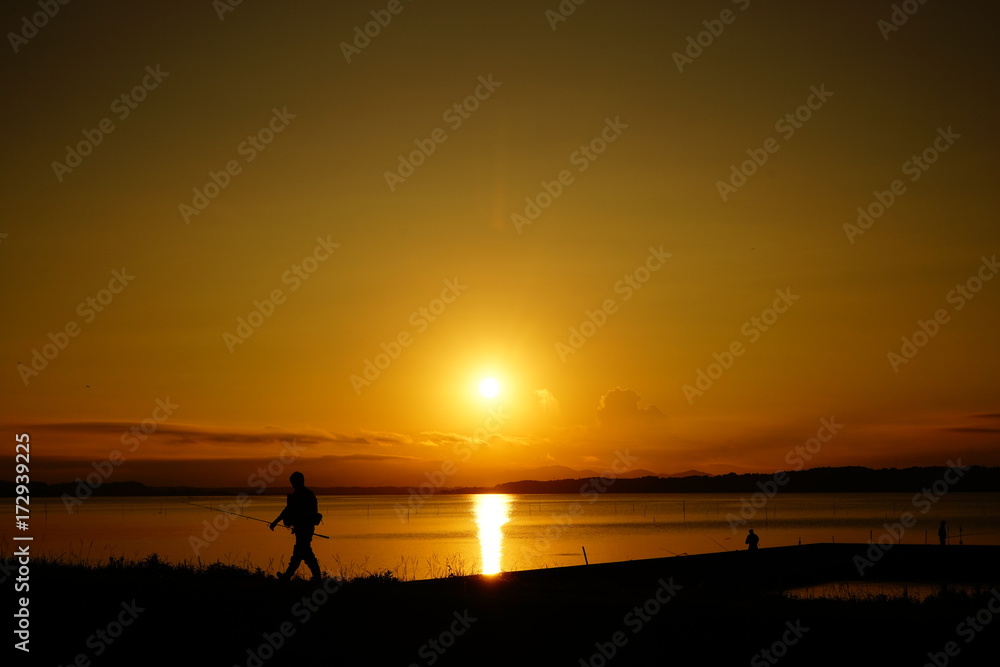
<point x="293" y="564"/>
<point x="307" y="555"/>
<point x="302" y="551"/>
<point x="310" y="559"/>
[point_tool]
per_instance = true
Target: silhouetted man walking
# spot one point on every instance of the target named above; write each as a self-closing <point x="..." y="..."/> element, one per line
<point x="752" y="540"/>
<point x="301" y="514"/>
<point x="943" y="533"/>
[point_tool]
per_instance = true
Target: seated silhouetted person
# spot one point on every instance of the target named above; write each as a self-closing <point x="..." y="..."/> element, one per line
<point x="943" y="533"/>
<point x="301" y="514"/>
<point x="752" y="540"/>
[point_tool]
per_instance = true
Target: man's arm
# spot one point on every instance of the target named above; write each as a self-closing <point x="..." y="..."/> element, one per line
<point x="280" y="517"/>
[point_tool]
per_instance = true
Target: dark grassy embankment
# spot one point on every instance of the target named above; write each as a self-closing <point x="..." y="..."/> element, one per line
<point x="696" y="610"/>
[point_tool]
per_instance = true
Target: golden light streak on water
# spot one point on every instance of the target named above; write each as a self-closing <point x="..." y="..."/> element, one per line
<point x="492" y="512"/>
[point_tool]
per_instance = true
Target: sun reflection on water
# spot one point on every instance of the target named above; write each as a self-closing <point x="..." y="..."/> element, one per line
<point x="492" y="512"/>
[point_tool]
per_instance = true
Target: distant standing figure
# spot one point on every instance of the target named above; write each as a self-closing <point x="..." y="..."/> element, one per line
<point x="752" y="540"/>
<point x="301" y="514"/>
<point x="943" y="533"/>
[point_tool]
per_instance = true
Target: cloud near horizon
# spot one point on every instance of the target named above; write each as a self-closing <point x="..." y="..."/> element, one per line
<point x="188" y="434"/>
<point x="621" y="408"/>
<point x="198" y="455"/>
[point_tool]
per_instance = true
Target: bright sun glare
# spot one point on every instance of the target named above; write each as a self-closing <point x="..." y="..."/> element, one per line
<point x="489" y="388"/>
<point x="492" y="513"/>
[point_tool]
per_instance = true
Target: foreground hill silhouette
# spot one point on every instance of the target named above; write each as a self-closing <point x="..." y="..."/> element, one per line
<point x="849" y="479"/>
<point x="723" y="609"/>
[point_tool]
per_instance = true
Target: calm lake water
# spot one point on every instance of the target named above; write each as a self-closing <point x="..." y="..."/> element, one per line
<point x="468" y="534"/>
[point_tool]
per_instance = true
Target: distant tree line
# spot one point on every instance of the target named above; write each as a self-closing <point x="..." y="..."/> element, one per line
<point x="848" y="479"/>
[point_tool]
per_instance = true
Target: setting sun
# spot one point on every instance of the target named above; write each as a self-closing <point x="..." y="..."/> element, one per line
<point x="489" y="388"/>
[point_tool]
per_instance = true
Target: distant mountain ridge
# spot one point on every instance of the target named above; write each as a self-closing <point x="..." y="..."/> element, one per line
<point x="552" y="473"/>
<point x="815" y="480"/>
<point x="556" y="473"/>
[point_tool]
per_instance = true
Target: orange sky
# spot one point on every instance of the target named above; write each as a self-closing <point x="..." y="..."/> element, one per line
<point x="551" y="180"/>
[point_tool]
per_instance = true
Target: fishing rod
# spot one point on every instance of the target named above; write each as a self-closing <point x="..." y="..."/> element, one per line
<point x="252" y="518"/>
<point x="673" y="552"/>
<point x="716" y="541"/>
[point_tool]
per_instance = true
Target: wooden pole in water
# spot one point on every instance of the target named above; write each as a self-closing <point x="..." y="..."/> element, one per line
<point x="585" y="561"/>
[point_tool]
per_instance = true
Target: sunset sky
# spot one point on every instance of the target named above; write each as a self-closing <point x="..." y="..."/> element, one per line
<point x="462" y="190"/>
